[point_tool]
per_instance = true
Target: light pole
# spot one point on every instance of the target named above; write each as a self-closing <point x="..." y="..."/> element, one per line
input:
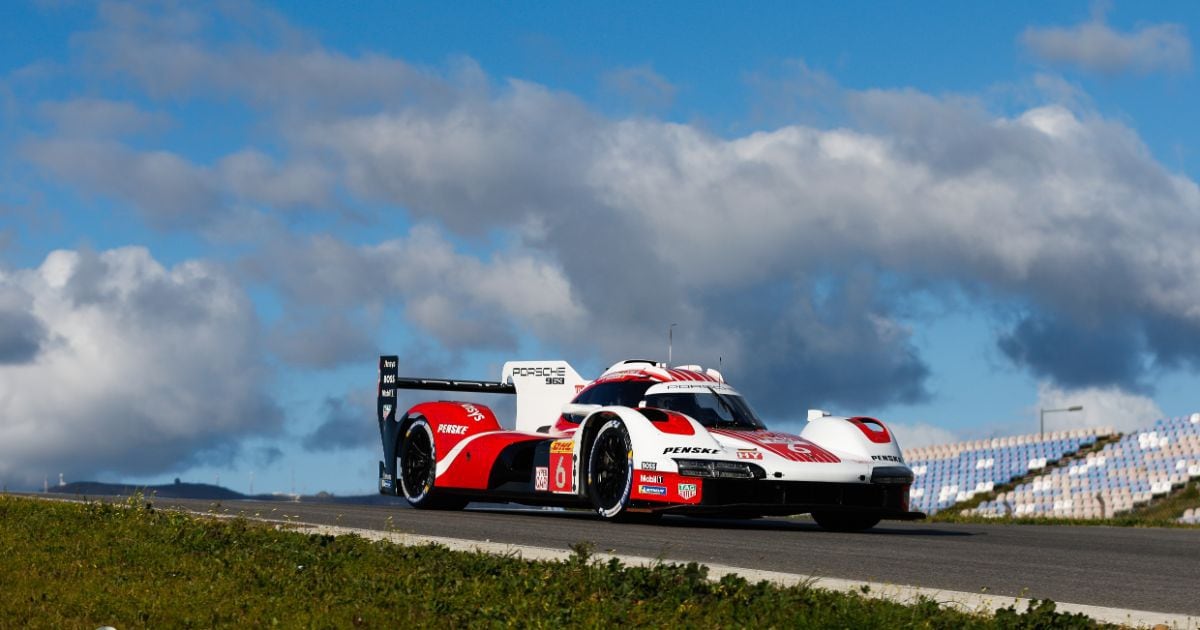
<point x="670" y="342"/>
<point x="1042" y="418"/>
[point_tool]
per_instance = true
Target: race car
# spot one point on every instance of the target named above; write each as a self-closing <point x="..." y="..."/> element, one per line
<point x="641" y="440"/>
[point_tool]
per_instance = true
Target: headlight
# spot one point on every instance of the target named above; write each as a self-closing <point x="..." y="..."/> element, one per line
<point x="719" y="469"/>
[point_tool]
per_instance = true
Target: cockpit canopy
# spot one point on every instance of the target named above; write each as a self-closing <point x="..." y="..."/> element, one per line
<point x="712" y="404"/>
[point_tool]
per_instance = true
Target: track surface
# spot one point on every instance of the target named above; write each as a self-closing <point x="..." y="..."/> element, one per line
<point x="1135" y="568"/>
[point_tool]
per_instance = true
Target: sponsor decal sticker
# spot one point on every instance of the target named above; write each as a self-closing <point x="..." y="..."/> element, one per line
<point x="387" y="410"/>
<point x="473" y="412"/>
<point x="650" y="478"/>
<point x="799" y="448"/>
<point x="749" y="453"/>
<point x="453" y="429"/>
<point x="687" y="491"/>
<point x="386" y="483"/>
<point x="649" y="466"/>
<point x="887" y="458"/>
<point x="562" y="467"/>
<point x="655" y="490"/>
<point x="541" y="478"/>
<point x="698" y="450"/>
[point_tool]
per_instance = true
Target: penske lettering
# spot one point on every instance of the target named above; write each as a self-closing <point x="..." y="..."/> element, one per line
<point x="698" y="450"/>
<point x="887" y="458"/>
<point x="453" y="429"/>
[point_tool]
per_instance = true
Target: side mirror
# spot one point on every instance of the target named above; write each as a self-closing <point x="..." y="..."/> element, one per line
<point x="573" y="409"/>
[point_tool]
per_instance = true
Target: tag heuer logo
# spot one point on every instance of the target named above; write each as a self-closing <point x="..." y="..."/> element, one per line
<point x="687" y="491"/>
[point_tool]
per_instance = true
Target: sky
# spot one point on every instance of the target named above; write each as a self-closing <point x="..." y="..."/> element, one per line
<point x="214" y="217"/>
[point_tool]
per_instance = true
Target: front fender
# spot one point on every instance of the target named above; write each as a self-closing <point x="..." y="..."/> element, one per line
<point x="653" y="434"/>
<point x="865" y="438"/>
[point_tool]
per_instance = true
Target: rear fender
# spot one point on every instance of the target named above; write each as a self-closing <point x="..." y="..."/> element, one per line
<point x="452" y="422"/>
<point x="861" y="437"/>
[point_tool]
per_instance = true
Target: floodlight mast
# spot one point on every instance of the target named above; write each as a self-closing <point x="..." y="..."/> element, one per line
<point x="670" y="342"/>
<point x="1042" y="418"/>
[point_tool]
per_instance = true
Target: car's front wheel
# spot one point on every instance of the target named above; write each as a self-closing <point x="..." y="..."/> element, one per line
<point x="845" y="521"/>
<point x="416" y="469"/>
<point x="610" y="470"/>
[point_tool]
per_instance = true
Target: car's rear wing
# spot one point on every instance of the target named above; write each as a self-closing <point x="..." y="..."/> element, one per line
<point x="542" y="388"/>
<point x="390" y="381"/>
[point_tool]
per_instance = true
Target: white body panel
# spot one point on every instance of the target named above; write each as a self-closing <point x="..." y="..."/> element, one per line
<point x="543" y="387"/>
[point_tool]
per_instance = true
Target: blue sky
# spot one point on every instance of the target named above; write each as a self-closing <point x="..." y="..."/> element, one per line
<point x="945" y="215"/>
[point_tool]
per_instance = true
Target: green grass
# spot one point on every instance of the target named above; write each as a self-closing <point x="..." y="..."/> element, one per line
<point x="86" y="565"/>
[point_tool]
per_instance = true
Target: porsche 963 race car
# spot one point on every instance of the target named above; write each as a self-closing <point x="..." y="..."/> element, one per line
<point x="642" y="440"/>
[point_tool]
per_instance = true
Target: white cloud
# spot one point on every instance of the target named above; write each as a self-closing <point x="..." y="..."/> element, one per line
<point x="1102" y="407"/>
<point x="920" y="434"/>
<point x="144" y="369"/>
<point x="458" y="299"/>
<point x="1094" y="46"/>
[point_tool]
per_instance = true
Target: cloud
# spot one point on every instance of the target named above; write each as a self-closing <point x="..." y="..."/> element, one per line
<point x="21" y="334"/>
<point x="1074" y="354"/>
<point x="100" y="117"/>
<point x="787" y="251"/>
<point x="172" y="192"/>
<point x="1094" y="46"/>
<point x="457" y="299"/>
<point x="1102" y="407"/>
<point x="347" y="422"/>
<point x="149" y="369"/>
<point x="917" y="435"/>
<point x="327" y="340"/>
<point x="641" y="86"/>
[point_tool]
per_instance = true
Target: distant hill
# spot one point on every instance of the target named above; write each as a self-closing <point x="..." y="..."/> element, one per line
<point x="165" y="491"/>
<point x="183" y="490"/>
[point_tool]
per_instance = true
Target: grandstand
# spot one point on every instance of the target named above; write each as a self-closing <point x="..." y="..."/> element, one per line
<point x="1140" y="466"/>
<point x="951" y="473"/>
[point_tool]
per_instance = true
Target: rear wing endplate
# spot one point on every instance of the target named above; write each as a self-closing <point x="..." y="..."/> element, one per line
<point x="389" y="382"/>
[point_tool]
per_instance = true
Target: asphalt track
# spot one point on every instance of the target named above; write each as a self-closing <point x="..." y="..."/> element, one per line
<point x="1135" y="568"/>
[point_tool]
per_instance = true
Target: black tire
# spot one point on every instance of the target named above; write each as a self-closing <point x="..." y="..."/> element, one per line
<point x="416" y="469"/>
<point x="610" y="471"/>
<point x="845" y="521"/>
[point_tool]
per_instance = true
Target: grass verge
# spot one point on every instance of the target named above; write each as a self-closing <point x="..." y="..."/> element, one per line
<point x="93" y="564"/>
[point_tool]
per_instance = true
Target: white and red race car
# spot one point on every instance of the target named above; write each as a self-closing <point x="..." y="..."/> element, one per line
<point x="640" y="441"/>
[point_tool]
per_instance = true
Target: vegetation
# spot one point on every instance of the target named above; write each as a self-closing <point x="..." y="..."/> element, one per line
<point x="87" y="565"/>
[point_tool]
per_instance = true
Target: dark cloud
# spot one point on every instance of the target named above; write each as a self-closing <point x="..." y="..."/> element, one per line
<point x="22" y="334"/>
<point x="1074" y="354"/>
<point x="346" y="423"/>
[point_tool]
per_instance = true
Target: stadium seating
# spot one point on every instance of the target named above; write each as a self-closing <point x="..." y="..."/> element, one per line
<point x="1133" y="470"/>
<point x="947" y="474"/>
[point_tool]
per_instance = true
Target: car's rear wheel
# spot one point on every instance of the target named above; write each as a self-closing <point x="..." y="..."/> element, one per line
<point x="610" y="471"/>
<point x="416" y="469"/>
<point x="845" y="521"/>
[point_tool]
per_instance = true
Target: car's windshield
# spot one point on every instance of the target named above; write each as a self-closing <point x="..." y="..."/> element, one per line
<point x="708" y="407"/>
